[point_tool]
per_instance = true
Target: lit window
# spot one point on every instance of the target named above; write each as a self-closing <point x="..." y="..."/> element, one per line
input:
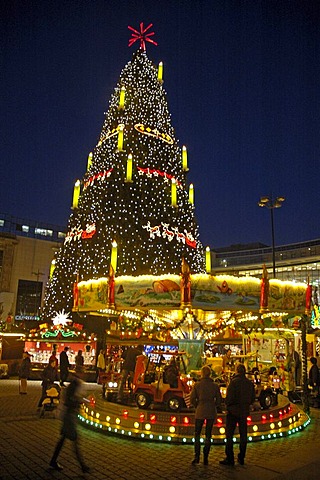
<point x="43" y="231"/>
<point x="25" y="228"/>
<point x="61" y="235"/>
<point x="1" y="223"/>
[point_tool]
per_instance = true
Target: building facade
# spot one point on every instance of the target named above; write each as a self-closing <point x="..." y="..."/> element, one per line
<point x="26" y="251"/>
<point x="294" y="262"/>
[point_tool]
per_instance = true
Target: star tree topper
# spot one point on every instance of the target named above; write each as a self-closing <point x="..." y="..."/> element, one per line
<point x="143" y="36"/>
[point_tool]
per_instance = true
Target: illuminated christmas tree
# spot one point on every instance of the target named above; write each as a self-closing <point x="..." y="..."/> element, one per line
<point x="134" y="192"/>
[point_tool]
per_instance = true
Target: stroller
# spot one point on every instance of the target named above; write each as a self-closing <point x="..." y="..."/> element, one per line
<point x="52" y="399"/>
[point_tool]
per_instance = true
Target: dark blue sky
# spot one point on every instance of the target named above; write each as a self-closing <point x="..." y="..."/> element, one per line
<point x="243" y="85"/>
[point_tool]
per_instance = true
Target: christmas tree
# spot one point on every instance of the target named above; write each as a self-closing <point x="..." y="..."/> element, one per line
<point x="134" y="193"/>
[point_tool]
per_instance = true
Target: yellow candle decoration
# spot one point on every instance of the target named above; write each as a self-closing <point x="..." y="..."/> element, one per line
<point x="122" y="97"/>
<point x="89" y="161"/>
<point x="208" y="260"/>
<point x="76" y="193"/>
<point x="184" y="158"/>
<point x="120" y="138"/>
<point x="173" y="193"/>
<point x="52" y="267"/>
<point x="129" y="168"/>
<point x="191" y="194"/>
<point x="114" y="255"/>
<point x="160" y="72"/>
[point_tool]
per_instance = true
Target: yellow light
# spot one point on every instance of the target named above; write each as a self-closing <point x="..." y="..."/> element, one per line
<point x="184" y="158"/>
<point x="114" y="255"/>
<point x="118" y="421"/>
<point x="52" y="267"/>
<point x="208" y="260"/>
<point x="255" y="428"/>
<point x="148" y="426"/>
<point x="89" y="161"/>
<point x="160" y="72"/>
<point x="122" y="97"/>
<point x="222" y="430"/>
<point x="191" y="194"/>
<point x="272" y="425"/>
<point x="173" y="193"/>
<point x="136" y="425"/>
<point x="76" y="194"/>
<point x="172" y="429"/>
<point x="129" y="168"/>
<point x="120" y="138"/>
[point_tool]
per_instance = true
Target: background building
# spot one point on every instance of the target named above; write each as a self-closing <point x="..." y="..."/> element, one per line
<point x="294" y="262"/>
<point x="26" y="251"/>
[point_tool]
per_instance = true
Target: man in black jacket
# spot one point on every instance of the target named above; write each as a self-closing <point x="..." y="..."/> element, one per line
<point x="240" y="395"/>
<point x="64" y="366"/>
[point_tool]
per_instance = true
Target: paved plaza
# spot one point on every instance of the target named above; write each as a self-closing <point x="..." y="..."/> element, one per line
<point x="27" y="443"/>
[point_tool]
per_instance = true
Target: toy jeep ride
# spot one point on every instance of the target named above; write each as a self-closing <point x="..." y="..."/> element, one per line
<point x="163" y="382"/>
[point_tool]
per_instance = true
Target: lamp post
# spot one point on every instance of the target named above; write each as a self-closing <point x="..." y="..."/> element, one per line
<point x="271" y="204"/>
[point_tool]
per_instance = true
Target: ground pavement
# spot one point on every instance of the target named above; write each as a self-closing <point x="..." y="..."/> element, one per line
<point x="27" y="443"/>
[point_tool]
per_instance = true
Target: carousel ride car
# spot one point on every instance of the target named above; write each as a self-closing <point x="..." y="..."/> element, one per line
<point x="164" y="382"/>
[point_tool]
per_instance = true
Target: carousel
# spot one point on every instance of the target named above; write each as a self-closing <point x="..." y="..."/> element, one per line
<point x="259" y="320"/>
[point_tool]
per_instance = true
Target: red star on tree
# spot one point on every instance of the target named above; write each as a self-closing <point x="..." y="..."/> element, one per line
<point x="143" y="36"/>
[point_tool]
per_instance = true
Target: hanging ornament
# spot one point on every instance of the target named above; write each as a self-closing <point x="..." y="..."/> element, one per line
<point x="153" y="132"/>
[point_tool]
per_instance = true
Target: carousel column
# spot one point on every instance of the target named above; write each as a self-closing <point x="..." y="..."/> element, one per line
<point x="76" y="294"/>
<point x="264" y="292"/>
<point x="111" y="288"/>
<point x="304" y="323"/>
<point x="185" y="285"/>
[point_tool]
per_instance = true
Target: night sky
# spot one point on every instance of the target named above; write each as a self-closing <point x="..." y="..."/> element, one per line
<point x="243" y="88"/>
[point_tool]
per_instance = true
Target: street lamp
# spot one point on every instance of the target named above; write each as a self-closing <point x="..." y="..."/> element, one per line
<point x="271" y="204"/>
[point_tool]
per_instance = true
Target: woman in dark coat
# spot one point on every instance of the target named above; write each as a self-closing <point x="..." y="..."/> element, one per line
<point x="206" y="397"/>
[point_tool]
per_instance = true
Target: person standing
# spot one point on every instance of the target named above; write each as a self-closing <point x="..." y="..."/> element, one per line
<point x="24" y="372"/>
<point x="206" y="397"/>
<point x="314" y="376"/>
<point x="101" y="364"/>
<point x="128" y="368"/>
<point x="79" y="361"/>
<point x="240" y="395"/>
<point x="64" y="366"/>
<point x="72" y="403"/>
<point x="54" y="358"/>
<point x="226" y="361"/>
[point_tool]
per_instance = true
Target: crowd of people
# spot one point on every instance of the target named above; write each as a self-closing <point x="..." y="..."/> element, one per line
<point x="205" y="396"/>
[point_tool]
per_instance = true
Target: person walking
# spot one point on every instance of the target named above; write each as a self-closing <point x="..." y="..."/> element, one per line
<point x="48" y="378"/>
<point x="128" y="368"/>
<point x="24" y="372"/>
<point x="72" y="402"/>
<point x="64" y="366"/>
<point x="240" y="395"/>
<point x="206" y="397"/>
